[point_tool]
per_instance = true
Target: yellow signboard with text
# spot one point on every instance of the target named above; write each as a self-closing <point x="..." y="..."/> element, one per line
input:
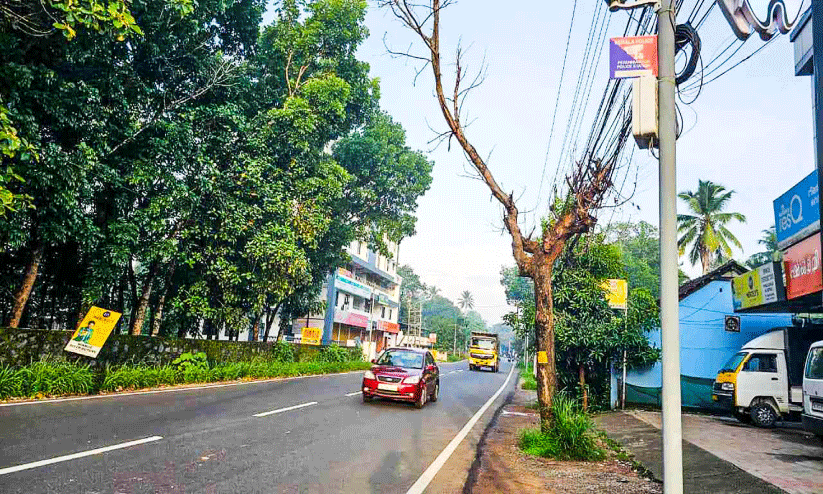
<point x="617" y="292"/>
<point x="92" y="332"/>
<point x="311" y="336"/>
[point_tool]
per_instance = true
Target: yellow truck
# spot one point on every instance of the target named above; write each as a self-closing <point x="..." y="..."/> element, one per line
<point x="484" y="351"/>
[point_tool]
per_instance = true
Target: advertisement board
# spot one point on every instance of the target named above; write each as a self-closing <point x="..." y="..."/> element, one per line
<point x="389" y="327"/>
<point x="617" y="292"/>
<point x="802" y="265"/>
<point x="350" y="318"/>
<point x="92" y="332"/>
<point x="351" y="286"/>
<point x="633" y="56"/>
<point x="311" y="336"/>
<point x="760" y="286"/>
<point x="797" y="212"/>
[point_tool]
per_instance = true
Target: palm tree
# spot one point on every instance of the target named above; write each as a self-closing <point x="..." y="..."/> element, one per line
<point x="466" y="300"/>
<point x="705" y="229"/>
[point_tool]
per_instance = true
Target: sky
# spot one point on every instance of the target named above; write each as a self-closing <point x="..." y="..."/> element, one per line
<point x="751" y="130"/>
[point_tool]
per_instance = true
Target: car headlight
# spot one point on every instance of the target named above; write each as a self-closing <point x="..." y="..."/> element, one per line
<point x="727" y="386"/>
<point x="368" y="375"/>
<point x="411" y="380"/>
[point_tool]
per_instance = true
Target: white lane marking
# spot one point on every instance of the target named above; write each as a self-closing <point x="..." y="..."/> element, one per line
<point x="452" y="372"/>
<point x="175" y="389"/>
<point x="281" y="410"/>
<point x="74" y="456"/>
<point x="519" y="414"/>
<point x="355" y="393"/>
<point x="461" y="370"/>
<point x="444" y="455"/>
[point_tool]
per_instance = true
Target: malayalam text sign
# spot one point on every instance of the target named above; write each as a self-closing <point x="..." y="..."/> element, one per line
<point x="617" y="291"/>
<point x="633" y="56"/>
<point x="760" y="286"/>
<point x="797" y="212"/>
<point x="92" y="332"/>
<point x="311" y="336"/>
<point x="802" y="264"/>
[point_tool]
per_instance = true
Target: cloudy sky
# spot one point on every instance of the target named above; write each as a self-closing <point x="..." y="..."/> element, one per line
<point x="750" y="130"/>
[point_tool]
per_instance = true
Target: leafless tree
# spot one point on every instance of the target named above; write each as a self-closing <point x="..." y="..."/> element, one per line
<point x="571" y="214"/>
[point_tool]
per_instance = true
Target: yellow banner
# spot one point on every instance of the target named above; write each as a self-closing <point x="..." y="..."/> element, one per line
<point x="617" y="292"/>
<point x="311" y="336"/>
<point x="92" y="332"/>
<point x="542" y="358"/>
<point x="747" y="290"/>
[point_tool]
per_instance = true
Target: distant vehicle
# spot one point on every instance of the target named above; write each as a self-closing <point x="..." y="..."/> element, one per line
<point x="813" y="391"/>
<point x="484" y="351"/>
<point x="763" y="382"/>
<point x="404" y="374"/>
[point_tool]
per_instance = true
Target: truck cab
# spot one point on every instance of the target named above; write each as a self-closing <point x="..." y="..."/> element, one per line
<point x="763" y="382"/>
<point x="484" y="351"/>
<point x="813" y="391"/>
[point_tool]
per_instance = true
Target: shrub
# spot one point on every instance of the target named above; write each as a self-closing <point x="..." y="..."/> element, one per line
<point x="56" y="378"/>
<point x="11" y="382"/>
<point x="570" y="437"/>
<point x="282" y="352"/>
<point x="527" y="381"/>
<point x="333" y="354"/>
<point x="189" y="360"/>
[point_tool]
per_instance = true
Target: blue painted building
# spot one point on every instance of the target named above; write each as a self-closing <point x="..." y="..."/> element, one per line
<point x="705" y="344"/>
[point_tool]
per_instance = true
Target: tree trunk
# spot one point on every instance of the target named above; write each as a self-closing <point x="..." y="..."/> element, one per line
<point x="133" y="291"/>
<point x="143" y="303"/>
<point x="705" y="260"/>
<point x="255" y="330"/>
<point x="158" y="314"/>
<point x="582" y="372"/>
<point x="21" y="297"/>
<point x="544" y="326"/>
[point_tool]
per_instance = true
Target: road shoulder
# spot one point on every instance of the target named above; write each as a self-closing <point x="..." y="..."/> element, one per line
<point x="500" y="466"/>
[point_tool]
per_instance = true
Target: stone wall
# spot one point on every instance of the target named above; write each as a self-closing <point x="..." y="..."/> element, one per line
<point x="22" y="346"/>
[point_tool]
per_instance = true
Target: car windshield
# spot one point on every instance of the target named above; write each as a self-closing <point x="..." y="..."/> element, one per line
<point x="401" y="358"/>
<point x="814" y="364"/>
<point x="732" y="363"/>
<point x="484" y="344"/>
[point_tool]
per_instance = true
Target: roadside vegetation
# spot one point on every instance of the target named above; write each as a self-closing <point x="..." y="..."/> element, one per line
<point x="570" y="436"/>
<point x="50" y="377"/>
<point x="527" y="380"/>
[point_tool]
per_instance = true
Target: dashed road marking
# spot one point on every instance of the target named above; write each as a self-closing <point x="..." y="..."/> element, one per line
<point x="355" y="393"/>
<point x="281" y="410"/>
<point x="74" y="456"/>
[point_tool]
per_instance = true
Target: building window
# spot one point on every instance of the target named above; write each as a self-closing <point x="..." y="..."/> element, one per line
<point x="389" y="314"/>
<point x="383" y="312"/>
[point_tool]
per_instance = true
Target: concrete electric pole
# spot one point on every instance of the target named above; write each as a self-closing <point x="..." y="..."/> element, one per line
<point x="670" y="330"/>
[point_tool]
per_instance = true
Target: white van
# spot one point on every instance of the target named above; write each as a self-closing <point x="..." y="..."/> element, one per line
<point x="813" y="390"/>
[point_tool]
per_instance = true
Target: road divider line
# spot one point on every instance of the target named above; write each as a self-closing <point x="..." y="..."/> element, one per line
<point x="444" y="455"/>
<point x="355" y="393"/>
<point x="281" y="410"/>
<point x="74" y="456"/>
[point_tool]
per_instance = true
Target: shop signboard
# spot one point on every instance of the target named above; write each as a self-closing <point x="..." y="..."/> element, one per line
<point x="433" y="338"/>
<point x="383" y="299"/>
<point x="797" y="212"/>
<point x="633" y="56"/>
<point x="92" y="332"/>
<point x="354" y="287"/>
<point x="350" y="318"/>
<point x="765" y="17"/>
<point x="389" y="327"/>
<point x="760" y="286"/>
<point x="311" y="336"/>
<point x="802" y="265"/>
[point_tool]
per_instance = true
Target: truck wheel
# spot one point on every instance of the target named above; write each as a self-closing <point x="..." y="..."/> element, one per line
<point x="763" y="415"/>
<point x="743" y="417"/>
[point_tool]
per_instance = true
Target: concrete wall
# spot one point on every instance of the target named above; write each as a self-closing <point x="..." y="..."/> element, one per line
<point x="22" y="346"/>
<point x="705" y="345"/>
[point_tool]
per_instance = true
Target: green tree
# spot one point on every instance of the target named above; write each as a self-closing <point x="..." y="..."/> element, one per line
<point x="466" y="300"/>
<point x="705" y="228"/>
<point x="768" y="240"/>
<point x="640" y="250"/>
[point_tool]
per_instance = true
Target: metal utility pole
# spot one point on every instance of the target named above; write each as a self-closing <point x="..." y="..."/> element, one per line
<point x="667" y="133"/>
<point x="817" y="63"/>
<point x="371" y="309"/>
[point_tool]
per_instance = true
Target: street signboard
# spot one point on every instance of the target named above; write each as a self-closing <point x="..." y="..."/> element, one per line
<point x="311" y="336"/>
<point x="797" y="212"/>
<point x="765" y="17"/>
<point x="633" y="56"/>
<point x="760" y="286"/>
<point x="617" y="292"/>
<point x="802" y="263"/>
<point x="92" y="332"/>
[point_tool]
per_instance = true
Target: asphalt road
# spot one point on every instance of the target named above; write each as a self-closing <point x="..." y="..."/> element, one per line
<point x="221" y="439"/>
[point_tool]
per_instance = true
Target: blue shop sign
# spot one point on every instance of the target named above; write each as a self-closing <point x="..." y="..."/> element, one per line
<point x="797" y="212"/>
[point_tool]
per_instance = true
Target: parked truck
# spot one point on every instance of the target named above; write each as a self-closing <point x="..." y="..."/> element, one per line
<point x="484" y="351"/>
<point x="763" y="382"/>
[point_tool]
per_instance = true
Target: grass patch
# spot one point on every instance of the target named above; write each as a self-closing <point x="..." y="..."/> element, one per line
<point x="527" y="381"/>
<point x="570" y="437"/>
<point x="454" y="358"/>
<point x="50" y="378"/>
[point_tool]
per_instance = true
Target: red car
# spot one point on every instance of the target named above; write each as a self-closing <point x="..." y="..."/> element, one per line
<point x="404" y="374"/>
